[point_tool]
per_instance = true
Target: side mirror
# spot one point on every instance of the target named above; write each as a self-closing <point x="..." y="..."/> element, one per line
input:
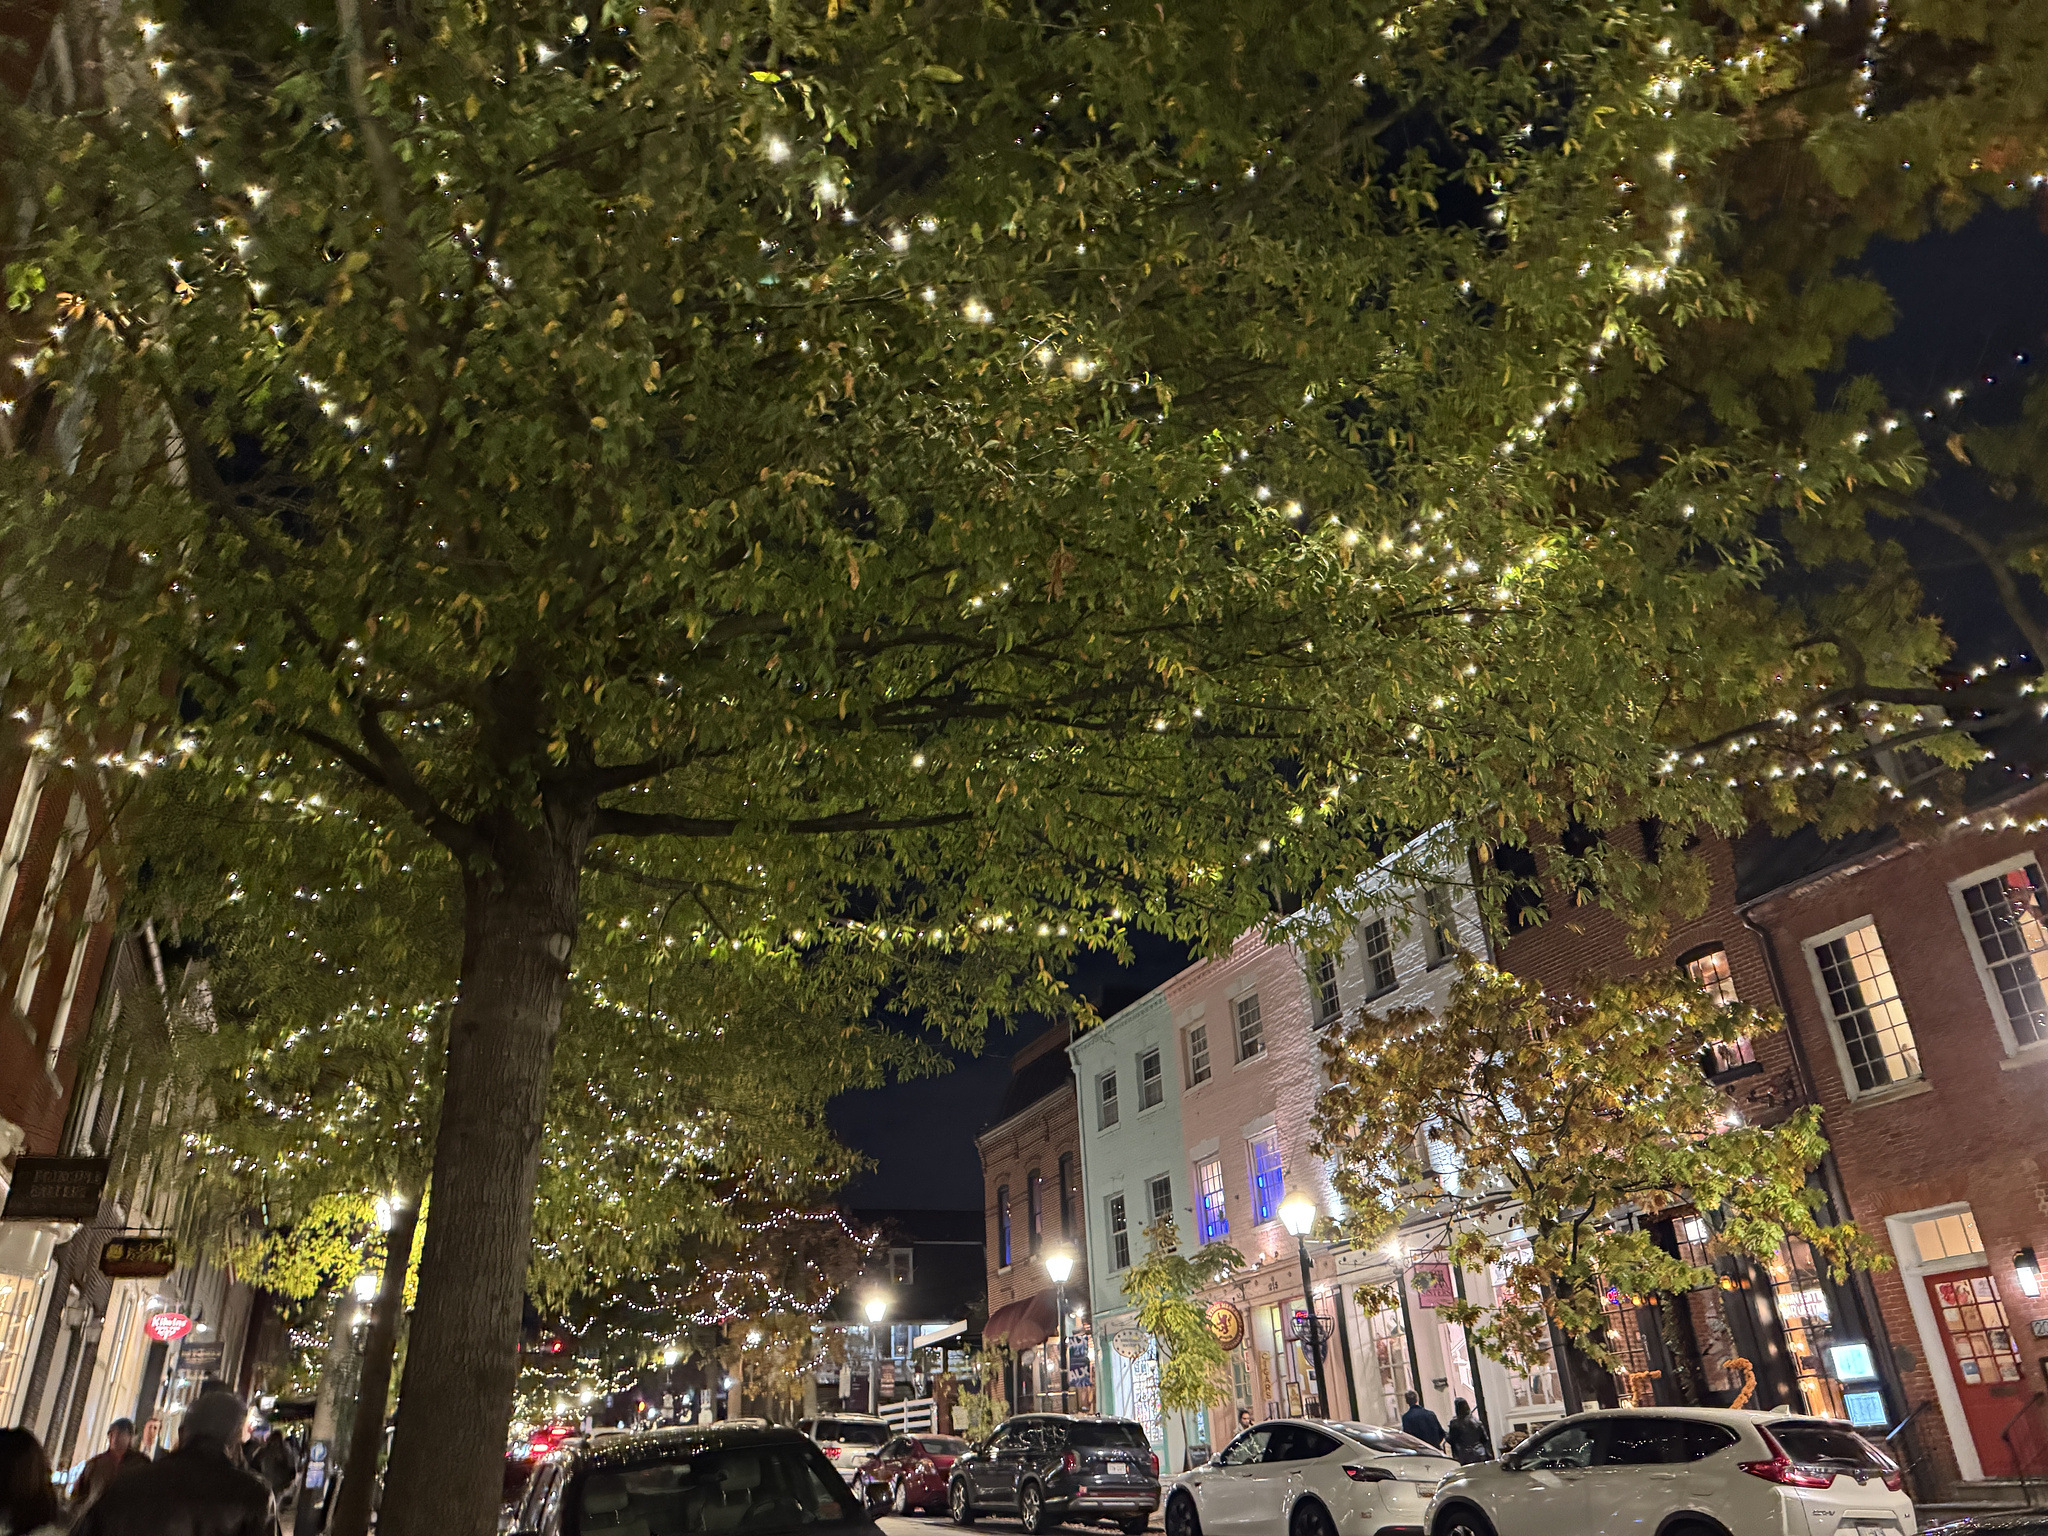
<point x="1198" y="1456"/>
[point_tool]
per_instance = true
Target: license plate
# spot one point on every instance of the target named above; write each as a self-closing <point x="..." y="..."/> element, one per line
<point x="1119" y="1469"/>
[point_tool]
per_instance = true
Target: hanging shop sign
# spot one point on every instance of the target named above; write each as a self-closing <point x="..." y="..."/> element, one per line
<point x="195" y="1359"/>
<point x="138" y="1258"/>
<point x="1227" y="1323"/>
<point x="55" y="1189"/>
<point x="1131" y="1343"/>
<point x="166" y="1326"/>
<point x="1430" y="1280"/>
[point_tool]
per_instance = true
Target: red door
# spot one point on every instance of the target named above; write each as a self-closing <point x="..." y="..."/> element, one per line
<point x="1985" y="1361"/>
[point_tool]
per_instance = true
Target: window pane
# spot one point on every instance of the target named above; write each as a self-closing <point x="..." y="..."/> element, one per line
<point x="1324" y="986"/>
<point x="1119" y="1235"/>
<point x="1867" y="1010"/>
<point x="1251" y="1034"/>
<point x="1003" y="1223"/>
<point x="1379" y="956"/>
<point x="1714" y="975"/>
<point x="1162" y="1197"/>
<point x="2005" y="915"/>
<point x="1644" y="1442"/>
<point x="1442" y="922"/>
<point x="1210" y="1217"/>
<point x="1151" y="1081"/>
<point x="1107" y="1090"/>
<point x="1268" y="1188"/>
<point x="1198" y="1054"/>
<point x="1034" y="1205"/>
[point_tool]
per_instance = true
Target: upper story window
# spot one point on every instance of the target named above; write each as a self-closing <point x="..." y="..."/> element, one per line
<point x="2003" y="912"/>
<point x="1066" y="1194"/>
<point x="1119" y="1234"/>
<point x="1710" y="968"/>
<point x="1151" y="1079"/>
<point x="1211" y="1219"/>
<point x="1251" y="1034"/>
<point x="902" y="1265"/>
<point x="1268" y="1184"/>
<point x="1378" y="941"/>
<point x="1159" y="1194"/>
<point x="1034" y="1209"/>
<point x="1198" y="1054"/>
<point x="1440" y="926"/>
<point x="1105" y="1098"/>
<point x="1872" y="1037"/>
<point x="1003" y="1225"/>
<point x="1323" y="984"/>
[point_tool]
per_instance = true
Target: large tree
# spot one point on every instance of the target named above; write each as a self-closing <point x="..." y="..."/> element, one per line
<point x="888" y="479"/>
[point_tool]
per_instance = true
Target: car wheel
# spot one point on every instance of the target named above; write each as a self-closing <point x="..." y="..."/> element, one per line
<point x="1462" y="1520"/>
<point x="1031" y="1510"/>
<point x="1311" y="1519"/>
<point x="1181" y="1516"/>
<point x="894" y="1504"/>
<point x="957" y="1504"/>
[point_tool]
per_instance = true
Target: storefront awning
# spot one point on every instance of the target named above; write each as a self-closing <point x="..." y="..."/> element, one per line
<point x="1025" y="1323"/>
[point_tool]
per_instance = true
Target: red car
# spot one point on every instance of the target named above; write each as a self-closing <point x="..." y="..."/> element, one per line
<point x="913" y="1469"/>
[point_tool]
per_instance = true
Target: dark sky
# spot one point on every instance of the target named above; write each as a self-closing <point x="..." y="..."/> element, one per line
<point x="1968" y="302"/>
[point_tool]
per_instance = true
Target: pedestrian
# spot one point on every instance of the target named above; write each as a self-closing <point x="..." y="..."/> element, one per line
<point x="119" y="1456"/>
<point x="200" y="1489"/>
<point x="28" y="1503"/>
<point x="1244" y="1418"/>
<point x="271" y="1458"/>
<point x="1422" y="1423"/>
<point x="1467" y="1435"/>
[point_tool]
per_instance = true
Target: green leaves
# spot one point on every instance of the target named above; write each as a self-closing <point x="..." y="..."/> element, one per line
<point x="1164" y="1286"/>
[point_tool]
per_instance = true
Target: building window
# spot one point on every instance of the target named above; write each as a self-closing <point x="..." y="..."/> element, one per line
<point x="1267" y="1181"/>
<point x="2012" y="940"/>
<point x="1034" y="1209"/>
<point x="1198" y="1054"/>
<point x="1323" y="983"/>
<point x="1710" y="968"/>
<point x="902" y="1265"/>
<point x="1251" y="1034"/>
<point x="1440" y="923"/>
<point x="1105" y="1091"/>
<point x="1947" y="1237"/>
<point x="1151" y="1080"/>
<point x="1857" y="980"/>
<point x="1211" y="1219"/>
<point x="1379" y="957"/>
<point x="1160" y="1192"/>
<point x="1066" y="1195"/>
<point x="1119" y="1235"/>
<point x="1003" y="1225"/>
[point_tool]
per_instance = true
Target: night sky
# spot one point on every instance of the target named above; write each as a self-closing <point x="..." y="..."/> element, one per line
<point x="1969" y="303"/>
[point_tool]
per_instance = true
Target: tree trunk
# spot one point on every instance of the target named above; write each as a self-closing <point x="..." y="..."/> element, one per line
<point x="366" y="1441"/>
<point x="446" y="1476"/>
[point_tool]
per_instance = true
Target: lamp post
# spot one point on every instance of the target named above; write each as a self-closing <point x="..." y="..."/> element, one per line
<point x="876" y="1307"/>
<point x="1060" y="1264"/>
<point x="1297" y="1215"/>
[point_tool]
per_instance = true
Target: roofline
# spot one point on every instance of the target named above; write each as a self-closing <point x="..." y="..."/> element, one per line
<point x="1000" y="1125"/>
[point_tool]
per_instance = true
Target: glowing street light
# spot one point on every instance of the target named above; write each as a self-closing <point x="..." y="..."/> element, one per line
<point x="877" y="1307"/>
<point x="1298" y="1215"/>
<point x="1059" y="1264"/>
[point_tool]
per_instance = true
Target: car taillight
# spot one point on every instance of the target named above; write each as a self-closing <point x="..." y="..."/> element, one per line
<point x="832" y="1451"/>
<point x="1153" y="1457"/>
<point x="1895" y="1480"/>
<point x="1368" y="1474"/>
<point x="1781" y="1469"/>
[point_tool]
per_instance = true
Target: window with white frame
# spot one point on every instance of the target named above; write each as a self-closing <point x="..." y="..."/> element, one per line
<point x="1875" y="1040"/>
<point x="2004" y="915"/>
<point x="1440" y="927"/>
<point x="1151" y="1080"/>
<point x="1323" y="986"/>
<point x="1378" y="940"/>
<point x="1947" y="1237"/>
<point x="1159" y="1194"/>
<point x="1268" y="1182"/>
<point x="1251" y="1033"/>
<point x="1198" y="1054"/>
<point x="1119" y="1234"/>
<point x="1211" y="1219"/>
<point x="1105" y="1099"/>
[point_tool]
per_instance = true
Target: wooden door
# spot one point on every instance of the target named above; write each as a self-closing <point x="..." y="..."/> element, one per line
<point x="1984" y="1358"/>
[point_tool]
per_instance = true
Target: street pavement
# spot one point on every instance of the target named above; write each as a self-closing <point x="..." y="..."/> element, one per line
<point x="936" y="1525"/>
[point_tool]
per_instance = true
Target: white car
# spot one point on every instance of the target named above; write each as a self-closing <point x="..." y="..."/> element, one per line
<point x="850" y="1439"/>
<point x="1680" y="1472"/>
<point x="1309" y="1477"/>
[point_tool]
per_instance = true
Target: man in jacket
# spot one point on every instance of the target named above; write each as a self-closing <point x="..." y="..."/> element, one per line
<point x="119" y="1456"/>
<point x="1422" y="1423"/>
<point x="1467" y="1435"/>
<point x="198" y="1489"/>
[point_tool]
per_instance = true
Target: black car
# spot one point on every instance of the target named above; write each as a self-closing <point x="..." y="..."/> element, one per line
<point x="1050" y="1467"/>
<point x="691" y="1482"/>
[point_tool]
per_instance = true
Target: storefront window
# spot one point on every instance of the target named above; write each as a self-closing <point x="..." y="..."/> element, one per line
<point x="18" y="1296"/>
<point x="1808" y="1325"/>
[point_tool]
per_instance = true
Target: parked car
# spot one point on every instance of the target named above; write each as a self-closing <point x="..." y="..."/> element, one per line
<point x="1680" y="1472"/>
<point x="1050" y="1467"/>
<point x="850" y="1440"/>
<point x="710" y="1478"/>
<point x="1308" y="1477"/>
<point x="910" y="1472"/>
<point x="2018" y="1522"/>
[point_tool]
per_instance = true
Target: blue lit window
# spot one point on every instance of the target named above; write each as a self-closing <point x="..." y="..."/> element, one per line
<point x="1268" y="1186"/>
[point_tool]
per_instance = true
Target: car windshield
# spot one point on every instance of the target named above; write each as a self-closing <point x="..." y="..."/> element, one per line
<point x="1386" y="1442"/>
<point x="1814" y="1442"/>
<point x="852" y="1432"/>
<point x="695" y="1492"/>
<point x="941" y="1445"/>
<point x="1113" y="1436"/>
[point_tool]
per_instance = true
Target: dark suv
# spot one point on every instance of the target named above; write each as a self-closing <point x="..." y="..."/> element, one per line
<point x="1050" y="1467"/>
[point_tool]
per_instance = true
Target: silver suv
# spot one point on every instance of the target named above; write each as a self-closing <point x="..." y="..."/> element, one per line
<point x="850" y="1440"/>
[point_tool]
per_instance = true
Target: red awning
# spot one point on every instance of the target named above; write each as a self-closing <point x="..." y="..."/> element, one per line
<point x="1024" y="1323"/>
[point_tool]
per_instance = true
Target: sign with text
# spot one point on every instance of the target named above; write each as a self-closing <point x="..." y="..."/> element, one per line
<point x="55" y="1189"/>
<point x="1131" y="1343"/>
<point x="1431" y="1281"/>
<point x="195" y="1358"/>
<point x="166" y="1326"/>
<point x="138" y="1258"/>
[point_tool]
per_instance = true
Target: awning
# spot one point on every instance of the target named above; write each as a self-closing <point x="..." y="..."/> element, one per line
<point x="1024" y="1323"/>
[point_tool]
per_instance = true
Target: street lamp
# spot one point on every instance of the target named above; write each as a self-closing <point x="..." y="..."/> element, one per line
<point x="1060" y="1264"/>
<point x="1297" y="1215"/>
<point x="876" y="1307"/>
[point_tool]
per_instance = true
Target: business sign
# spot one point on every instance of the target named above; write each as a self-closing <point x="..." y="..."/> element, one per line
<point x="55" y="1189"/>
<point x="1430" y="1280"/>
<point x="195" y="1358"/>
<point x="166" y="1326"/>
<point x="1131" y="1343"/>
<point x="1227" y="1323"/>
<point x="138" y="1258"/>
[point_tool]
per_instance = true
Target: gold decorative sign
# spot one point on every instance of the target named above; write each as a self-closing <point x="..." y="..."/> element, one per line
<point x="1227" y="1323"/>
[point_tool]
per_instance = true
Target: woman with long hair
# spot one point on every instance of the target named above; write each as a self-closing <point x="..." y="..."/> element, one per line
<point x="28" y="1504"/>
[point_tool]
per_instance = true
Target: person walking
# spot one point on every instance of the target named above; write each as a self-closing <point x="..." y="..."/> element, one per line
<point x="200" y="1489"/>
<point x="1423" y="1424"/>
<point x="28" y="1504"/>
<point x="1467" y="1436"/>
<point x="119" y="1456"/>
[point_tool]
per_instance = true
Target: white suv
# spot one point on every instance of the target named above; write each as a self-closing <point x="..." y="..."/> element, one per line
<point x="850" y="1439"/>
<point x="1680" y="1472"/>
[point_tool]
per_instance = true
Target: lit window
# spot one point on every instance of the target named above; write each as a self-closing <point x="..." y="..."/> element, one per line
<point x="1251" y="1034"/>
<point x="1865" y="1003"/>
<point x="1947" y="1237"/>
<point x="1442" y="923"/>
<point x="1267" y="1183"/>
<point x="1324" y="985"/>
<point x="1710" y="968"/>
<point x="1151" y="1081"/>
<point x="1105" y="1089"/>
<point x="1379" y="956"/>
<point x="1161" y="1192"/>
<point x="1210" y="1217"/>
<point x="1119" y="1235"/>
<point x="1198" y="1054"/>
<point x="2005" y="916"/>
